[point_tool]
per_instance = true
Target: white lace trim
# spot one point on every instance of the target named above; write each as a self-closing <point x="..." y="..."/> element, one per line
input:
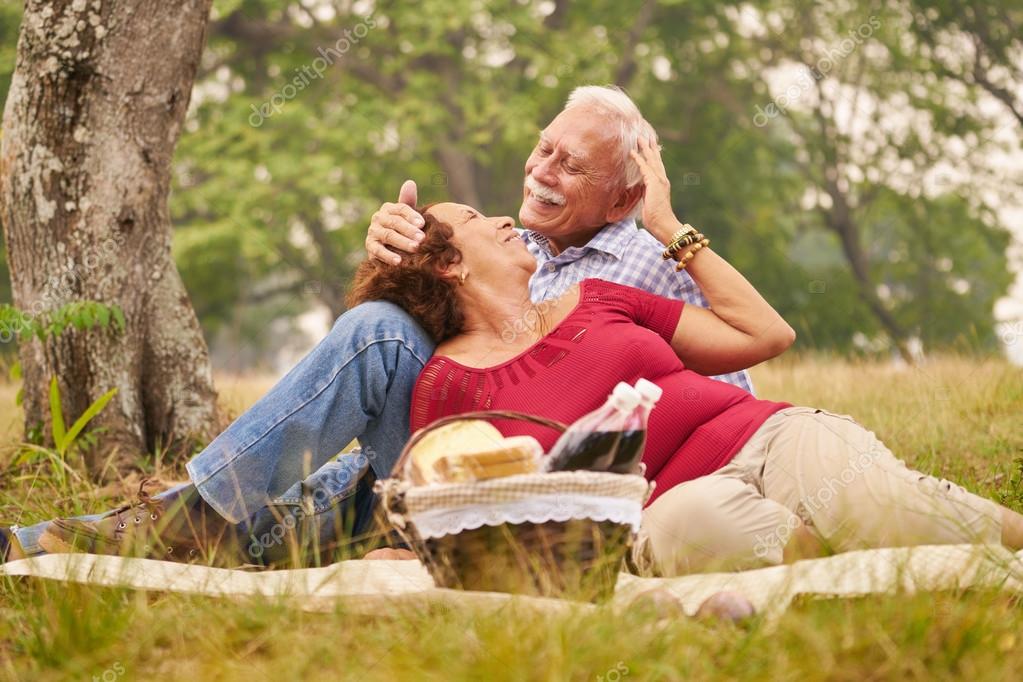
<point x="435" y="523"/>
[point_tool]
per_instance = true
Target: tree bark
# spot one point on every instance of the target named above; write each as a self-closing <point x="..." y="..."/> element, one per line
<point x="94" y="112"/>
<point x="839" y="219"/>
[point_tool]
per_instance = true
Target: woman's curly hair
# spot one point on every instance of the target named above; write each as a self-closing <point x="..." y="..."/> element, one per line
<point x="417" y="284"/>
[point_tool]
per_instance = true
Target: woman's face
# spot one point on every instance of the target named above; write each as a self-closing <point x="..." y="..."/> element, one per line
<point x="491" y="249"/>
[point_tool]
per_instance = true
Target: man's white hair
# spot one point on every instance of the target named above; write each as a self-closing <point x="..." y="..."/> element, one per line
<point x="632" y="127"/>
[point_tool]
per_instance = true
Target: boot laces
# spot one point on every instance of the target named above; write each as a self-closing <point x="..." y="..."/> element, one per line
<point x="144" y="503"/>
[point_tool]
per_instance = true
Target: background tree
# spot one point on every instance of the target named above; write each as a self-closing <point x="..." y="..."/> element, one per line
<point x="870" y="128"/>
<point x="976" y="43"/>
<point x="820" y="216"/>
<point x="93" y="113"/>
<point x="867" y="237"/>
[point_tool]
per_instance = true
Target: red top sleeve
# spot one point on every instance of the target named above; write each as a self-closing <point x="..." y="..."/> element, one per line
<point x="656" y="313"/>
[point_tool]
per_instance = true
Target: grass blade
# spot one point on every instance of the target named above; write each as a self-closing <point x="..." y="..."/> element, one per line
<point x="89" y="413"/>
<point x="56" y="415"/>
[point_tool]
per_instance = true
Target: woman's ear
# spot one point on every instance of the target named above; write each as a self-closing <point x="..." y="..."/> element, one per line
<point x="626" y="201"/>
<point x="456" y="273"/>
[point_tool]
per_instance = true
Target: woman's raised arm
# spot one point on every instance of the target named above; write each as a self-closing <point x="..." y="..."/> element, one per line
<point x="740" y="329"/>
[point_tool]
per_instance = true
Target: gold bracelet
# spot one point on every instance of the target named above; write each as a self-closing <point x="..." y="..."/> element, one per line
<point x="685" y="231"/>
<point x="682" y="232"/>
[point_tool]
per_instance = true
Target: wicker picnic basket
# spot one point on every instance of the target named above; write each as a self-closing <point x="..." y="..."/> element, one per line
<point x="559" y="534"/>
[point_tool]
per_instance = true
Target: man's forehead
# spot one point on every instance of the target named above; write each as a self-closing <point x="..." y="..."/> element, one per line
<point x="577" y="131"/>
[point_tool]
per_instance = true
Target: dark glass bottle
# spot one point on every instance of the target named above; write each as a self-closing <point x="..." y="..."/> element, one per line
<point x="633" y="441"/>
<point x="592" y="441"/>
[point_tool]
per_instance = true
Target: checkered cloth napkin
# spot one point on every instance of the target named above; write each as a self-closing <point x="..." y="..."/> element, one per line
<point x="520" y="487"/>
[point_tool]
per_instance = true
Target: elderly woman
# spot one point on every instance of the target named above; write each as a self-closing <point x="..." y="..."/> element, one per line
<point x="740" y="481"/>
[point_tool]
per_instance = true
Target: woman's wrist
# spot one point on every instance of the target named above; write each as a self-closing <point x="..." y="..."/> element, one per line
<point x="683" y="242"/>
<point x="686" y="258"/>
<point x="666" y="230"/>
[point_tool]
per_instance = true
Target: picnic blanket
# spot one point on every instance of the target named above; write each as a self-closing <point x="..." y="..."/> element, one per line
<point x="372" y="587"/>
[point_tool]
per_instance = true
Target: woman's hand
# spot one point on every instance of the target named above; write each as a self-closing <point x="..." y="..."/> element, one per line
<point x="658" y="217"/>
<point x="740" y="329"/>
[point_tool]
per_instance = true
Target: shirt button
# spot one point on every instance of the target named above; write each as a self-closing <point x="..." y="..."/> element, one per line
<point x="551" y="267"/>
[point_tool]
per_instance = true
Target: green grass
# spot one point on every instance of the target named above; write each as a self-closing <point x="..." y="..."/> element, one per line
<point x="955" y="417"/>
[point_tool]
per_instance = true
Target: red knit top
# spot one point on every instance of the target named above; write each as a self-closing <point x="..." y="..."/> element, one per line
<point x="615" y="333"/>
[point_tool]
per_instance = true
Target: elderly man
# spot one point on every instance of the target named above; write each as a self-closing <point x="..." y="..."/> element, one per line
<point x="275" y="474"/>
<point x="581" y="195"/>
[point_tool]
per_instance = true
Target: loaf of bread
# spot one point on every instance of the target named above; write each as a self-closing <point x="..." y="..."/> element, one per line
<point x="511" y="456"/>
<point x="470" y="450"/>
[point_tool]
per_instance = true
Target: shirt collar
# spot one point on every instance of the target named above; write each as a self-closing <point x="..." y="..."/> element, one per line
<point x="612" y="239"/>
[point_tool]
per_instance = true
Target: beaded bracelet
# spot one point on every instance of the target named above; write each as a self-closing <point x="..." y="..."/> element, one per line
<point x="694" y="239"/>
<point x="681" y="243"/>
<point x="683" y="237"/>
<point x="685" y="260"/>
<point x="679" y="240"/>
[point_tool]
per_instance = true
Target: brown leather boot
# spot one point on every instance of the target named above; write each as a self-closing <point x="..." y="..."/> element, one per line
<point x="176" y="527"/>
<point x="10" y="548"/>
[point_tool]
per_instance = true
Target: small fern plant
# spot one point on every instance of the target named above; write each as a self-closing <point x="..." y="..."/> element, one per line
<point x="80" y="315"/>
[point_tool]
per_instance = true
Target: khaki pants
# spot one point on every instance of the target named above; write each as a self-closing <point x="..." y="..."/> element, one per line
<point x="810" y="465"/>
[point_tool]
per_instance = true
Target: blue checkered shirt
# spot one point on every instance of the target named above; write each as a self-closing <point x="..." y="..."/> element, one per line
<point x="622" y="253"/>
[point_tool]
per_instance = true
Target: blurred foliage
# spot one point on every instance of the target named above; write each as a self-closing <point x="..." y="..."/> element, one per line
<point x="16" y="323"/>
<point x="862" y="207"/>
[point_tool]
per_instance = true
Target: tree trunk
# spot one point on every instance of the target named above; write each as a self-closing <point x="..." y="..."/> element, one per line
<point x="839" y="219"/>
<point x="94" y="112"/>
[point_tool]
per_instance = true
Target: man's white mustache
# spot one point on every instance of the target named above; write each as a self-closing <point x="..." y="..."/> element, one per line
<point x="544" y="192"/>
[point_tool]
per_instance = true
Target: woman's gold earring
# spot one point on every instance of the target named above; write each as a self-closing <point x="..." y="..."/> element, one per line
<point x="461" y="278"/>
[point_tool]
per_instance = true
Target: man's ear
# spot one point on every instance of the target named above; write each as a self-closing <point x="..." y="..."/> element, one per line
<point x="626" y="201"/>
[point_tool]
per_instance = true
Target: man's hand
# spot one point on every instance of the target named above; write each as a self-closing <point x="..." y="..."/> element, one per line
<point x="395" y="225"/>
<point x="390" y="553"/>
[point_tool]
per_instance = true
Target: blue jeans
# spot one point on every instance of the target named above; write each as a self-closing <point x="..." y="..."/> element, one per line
<point x="283" y="452"/>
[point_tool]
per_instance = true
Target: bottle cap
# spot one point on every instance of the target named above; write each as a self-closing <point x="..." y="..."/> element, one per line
<point x="650" y="391"/>
<point x="624" y="397"/>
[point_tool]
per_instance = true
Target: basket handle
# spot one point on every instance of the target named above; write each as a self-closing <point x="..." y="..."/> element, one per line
<point x="481" y="415"/>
